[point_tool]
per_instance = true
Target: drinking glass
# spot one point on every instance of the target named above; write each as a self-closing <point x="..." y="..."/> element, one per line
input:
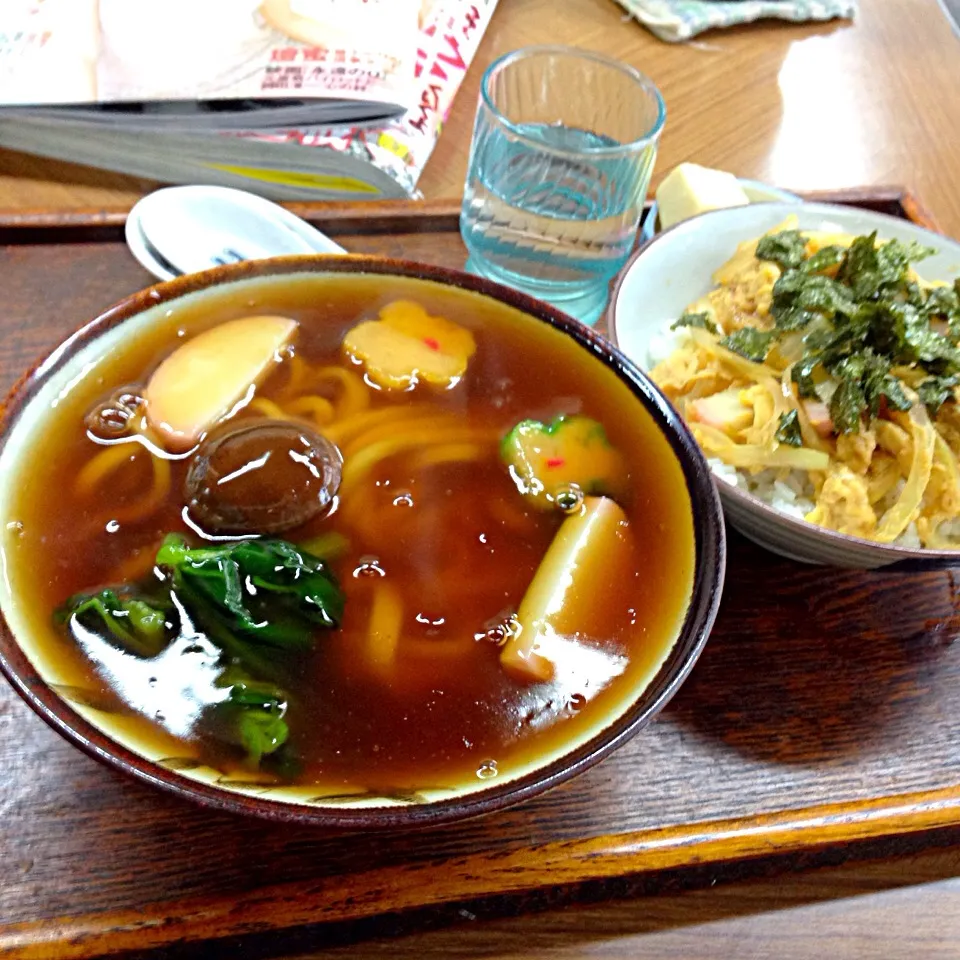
<point x="563" y="147"/>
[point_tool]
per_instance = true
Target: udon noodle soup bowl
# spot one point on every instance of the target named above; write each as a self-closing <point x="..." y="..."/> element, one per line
<point x="42" y="665"/>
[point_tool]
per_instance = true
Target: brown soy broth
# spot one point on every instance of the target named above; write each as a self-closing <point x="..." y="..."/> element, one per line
<point x="454" y="539"/>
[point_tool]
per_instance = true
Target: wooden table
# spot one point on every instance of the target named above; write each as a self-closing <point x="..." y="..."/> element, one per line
<point x="807" y="107"/>
<point x="810" y="107"/>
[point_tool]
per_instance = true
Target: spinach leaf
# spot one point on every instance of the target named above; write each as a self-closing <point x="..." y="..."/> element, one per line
<point x="788" y="429"/>
<point x="252" y="715"/>
<point x="268" y="591"/>
<point x="749" y="342"/>
<point x="696" y="320"/>
<point x="136" y="624"/>
<point x="260" y="732"/>
<point x="786" y="249"/>
<point x="252" y="599"/>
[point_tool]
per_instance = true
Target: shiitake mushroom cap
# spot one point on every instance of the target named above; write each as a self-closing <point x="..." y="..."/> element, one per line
<point x="261" y="476"/>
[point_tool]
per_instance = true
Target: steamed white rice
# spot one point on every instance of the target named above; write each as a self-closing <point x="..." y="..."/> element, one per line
<point x="789" y="491"/>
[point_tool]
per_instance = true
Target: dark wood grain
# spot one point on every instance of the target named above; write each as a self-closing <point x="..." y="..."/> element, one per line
<point x="906" y="906"/>
<point x="826" y="708"/>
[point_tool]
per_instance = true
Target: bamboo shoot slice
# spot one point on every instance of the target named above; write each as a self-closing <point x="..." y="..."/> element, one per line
<point x="565" y="596"/>
<point x="202" y="381"/>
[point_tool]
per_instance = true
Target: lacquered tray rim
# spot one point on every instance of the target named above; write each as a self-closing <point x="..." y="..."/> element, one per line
<point x="392" y="216"/>
<point x="601" y="857"/>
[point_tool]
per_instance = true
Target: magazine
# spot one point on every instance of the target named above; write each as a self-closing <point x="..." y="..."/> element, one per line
<point x="208" y="63"/>
<point x="311" y="157"/>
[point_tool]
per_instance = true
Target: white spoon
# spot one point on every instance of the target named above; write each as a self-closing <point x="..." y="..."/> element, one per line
<point x="180" y="230"/>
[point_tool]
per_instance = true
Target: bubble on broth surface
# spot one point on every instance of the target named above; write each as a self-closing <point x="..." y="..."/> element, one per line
<point x="577" y="702"/>
<point x="369" y="567"/>
<point x="487" y="770"/>
<point x="569" y="498"/>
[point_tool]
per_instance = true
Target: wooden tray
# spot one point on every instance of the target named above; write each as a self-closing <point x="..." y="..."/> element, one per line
<point x="825" y="709"/>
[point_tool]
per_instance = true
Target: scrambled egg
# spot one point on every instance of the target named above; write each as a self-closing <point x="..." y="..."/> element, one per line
<point x="855" y="450"/>
<point x="844" y="504"/>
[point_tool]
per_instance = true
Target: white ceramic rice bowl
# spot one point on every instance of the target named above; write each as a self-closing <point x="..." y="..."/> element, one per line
<point x="676" y="267"/>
